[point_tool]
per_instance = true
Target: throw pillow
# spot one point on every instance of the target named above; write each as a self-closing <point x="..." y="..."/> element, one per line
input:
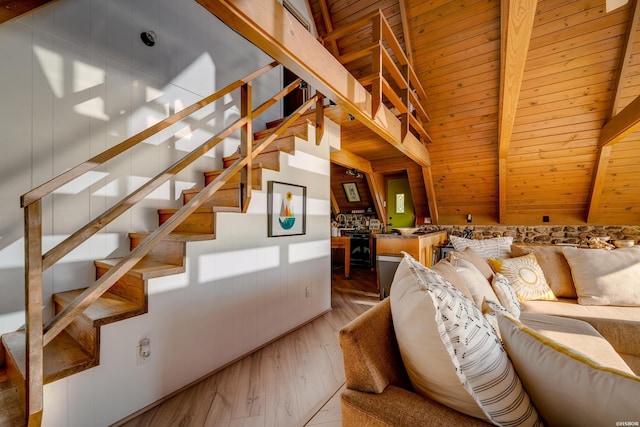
<point x="526" y="277"/>
<point x="498" y="247"/>
<point x="478" y="286"/>
<point x="574" y="390"/>
<point x="448" y="271"/>
<point x="474" y="258"/>
<point x="606" y="277"/>
<point x="553" y="264"/>
<point x="451" y="353"/>
<point x="506" y="295"/>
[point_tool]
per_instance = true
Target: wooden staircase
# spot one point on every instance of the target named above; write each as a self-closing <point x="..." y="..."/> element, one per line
<point x="77" y="347"/>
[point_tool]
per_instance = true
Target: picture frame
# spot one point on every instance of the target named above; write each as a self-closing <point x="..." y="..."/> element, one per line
<point x="286" y="209"/>
<point x="351" y="190"/>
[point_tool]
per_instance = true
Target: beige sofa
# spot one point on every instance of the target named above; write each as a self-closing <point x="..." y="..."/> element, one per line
<point x="379" y="393"/>
<point x="619" y="325"/>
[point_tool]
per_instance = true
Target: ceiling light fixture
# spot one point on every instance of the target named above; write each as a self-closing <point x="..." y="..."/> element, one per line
<point x="354" y="173"/>
<point x="148" y="38"/>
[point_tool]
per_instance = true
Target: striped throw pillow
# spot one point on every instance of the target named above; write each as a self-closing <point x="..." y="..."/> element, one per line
<point x="443" y="335"/>
<point x="498" y="247"/>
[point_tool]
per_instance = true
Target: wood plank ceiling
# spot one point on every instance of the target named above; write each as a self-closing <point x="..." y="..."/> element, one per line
<point x="537" y="156"/>
<point x="533" y="107"/>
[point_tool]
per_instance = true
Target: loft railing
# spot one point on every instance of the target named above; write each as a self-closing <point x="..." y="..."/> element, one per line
<point x="37" y="335"/>
<point x="406" y="95"/>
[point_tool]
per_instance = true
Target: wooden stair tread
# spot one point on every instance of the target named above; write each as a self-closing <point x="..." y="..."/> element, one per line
<point x="145" y="269"/>
<point x="63" y="356"/>
<point x="109" y="307"/>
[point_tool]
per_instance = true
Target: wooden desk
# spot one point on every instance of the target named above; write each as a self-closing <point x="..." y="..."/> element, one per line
<point x="344" y="242"/>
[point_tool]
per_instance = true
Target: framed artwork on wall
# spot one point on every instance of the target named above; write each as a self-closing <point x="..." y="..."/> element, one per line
<point x="286" y="209"/>
<point x="351" y="190"/>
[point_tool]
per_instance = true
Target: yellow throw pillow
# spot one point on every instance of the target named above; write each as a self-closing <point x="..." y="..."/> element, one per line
<point x="525" y="276"/>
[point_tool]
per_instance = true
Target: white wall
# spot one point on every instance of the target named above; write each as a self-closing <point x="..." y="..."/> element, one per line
<point x="79" y="80"/>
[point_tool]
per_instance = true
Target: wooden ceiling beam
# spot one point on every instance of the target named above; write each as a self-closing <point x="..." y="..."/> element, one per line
<point x="326" y="18"/>
<point x="265" y="24"/>
<point x="516" y="21"/>
<point x="620" y="124"/>
<point x="405" y="31"/>
<point x="11" y="9"/>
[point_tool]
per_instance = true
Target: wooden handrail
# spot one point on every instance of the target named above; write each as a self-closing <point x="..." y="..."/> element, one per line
<point x="92" y="293"/>
<point x="73" y="173"/>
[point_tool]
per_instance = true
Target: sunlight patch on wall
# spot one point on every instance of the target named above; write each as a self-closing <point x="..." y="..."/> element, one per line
<point x="93" y="108"/>
<point x="151" y="94"/>
<point x="306" y="251"/>
<point x="86" y="76"/>
<point x="109" y="190"/>
<point x="12" y="255"/>
<point x="318" y="207"/>
<point x="198" y="77"/>
<point x="173" y="282"/>
<point x="310" y="163"/>
<point x="107" y="242"/>
<point x="52" y="66"/>
<point x="81" y="183"/>
<point x="161" y="193"/>
<point x="180" y="186"/>
<point x="13" y="320"/>
<point x="222" y="265"/>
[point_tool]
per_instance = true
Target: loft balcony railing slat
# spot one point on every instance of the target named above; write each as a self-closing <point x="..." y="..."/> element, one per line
<point x="383" y="63"/>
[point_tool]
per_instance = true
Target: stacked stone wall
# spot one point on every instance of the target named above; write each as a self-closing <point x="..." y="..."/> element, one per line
<point x="575" y="234"/>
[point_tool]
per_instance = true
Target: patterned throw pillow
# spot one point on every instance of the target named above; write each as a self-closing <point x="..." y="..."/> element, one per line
<point x="451" y="353"/>
<point x="498" y="247"/>
<point x="506" y="295"/>
<point x="525" y="276"/>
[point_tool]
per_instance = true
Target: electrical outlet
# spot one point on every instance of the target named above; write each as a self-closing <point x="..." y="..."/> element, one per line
<point x="143" y="351"/>
<point x="307" y="291"/>
<point x="545" y="218"/>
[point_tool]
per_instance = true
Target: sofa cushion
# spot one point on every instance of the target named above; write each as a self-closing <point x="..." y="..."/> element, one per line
<point x="525" y="275"/>
<point x="474" y="258"/>
<point x="498" y="247"/>
<point x="450" y="351"/>
<point x="618" y="325"/>
<point x="574" y="390"/>
<point x="399" y="407"/>
<point x="577" y="335"/>
<point x="479" y="287"/>
<point x="605" y="277"/>
<point x="554" y="266"/>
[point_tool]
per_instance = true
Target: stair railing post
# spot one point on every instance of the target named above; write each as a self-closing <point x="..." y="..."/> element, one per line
<point x="246" y="142"/>
<point x="319" y="118"/>
<point x="33" y="317"/>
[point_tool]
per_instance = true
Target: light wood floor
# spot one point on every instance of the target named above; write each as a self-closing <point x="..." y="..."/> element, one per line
<point x="294" y="381"/>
